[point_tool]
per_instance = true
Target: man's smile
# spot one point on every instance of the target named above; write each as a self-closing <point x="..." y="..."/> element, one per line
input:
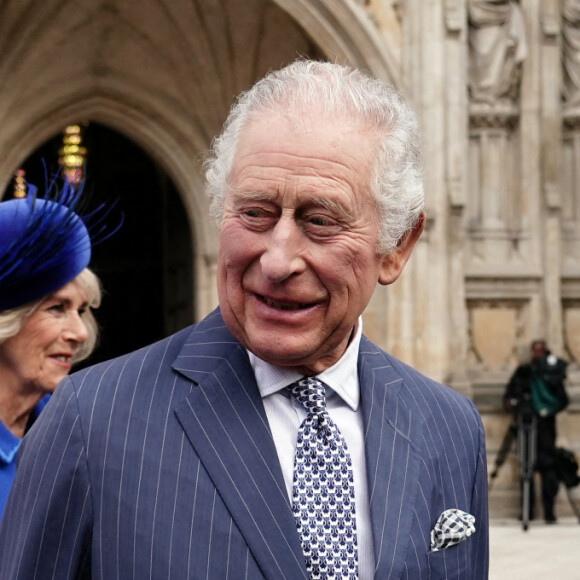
<point x="284" y="305"/>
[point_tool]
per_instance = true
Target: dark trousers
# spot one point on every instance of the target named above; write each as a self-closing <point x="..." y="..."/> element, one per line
<point x="546" y="464"/>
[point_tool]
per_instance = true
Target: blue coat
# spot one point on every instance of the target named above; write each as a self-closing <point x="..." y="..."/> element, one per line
<point x="160" y="464"/>
<point x="9" y="445"/>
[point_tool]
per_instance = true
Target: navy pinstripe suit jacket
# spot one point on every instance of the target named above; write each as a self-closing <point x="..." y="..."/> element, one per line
<point x="160" y="464"/>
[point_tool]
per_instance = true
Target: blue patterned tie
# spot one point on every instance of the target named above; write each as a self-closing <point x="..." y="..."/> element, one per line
<point x="323" y="493"/>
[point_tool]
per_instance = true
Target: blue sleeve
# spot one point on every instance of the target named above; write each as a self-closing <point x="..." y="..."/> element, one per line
<point x="46" y="527"/>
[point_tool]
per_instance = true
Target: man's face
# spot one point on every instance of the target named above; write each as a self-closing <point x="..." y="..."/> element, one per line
<point x="297" y="260"/>
<point x="539" y="350"/>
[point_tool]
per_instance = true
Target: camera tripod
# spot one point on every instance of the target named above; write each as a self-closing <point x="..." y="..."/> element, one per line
<point x="523" y="429"/>
<point x="527" y="434"/>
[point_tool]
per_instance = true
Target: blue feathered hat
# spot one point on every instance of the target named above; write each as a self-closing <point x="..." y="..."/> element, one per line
<point x="44" y="244"/>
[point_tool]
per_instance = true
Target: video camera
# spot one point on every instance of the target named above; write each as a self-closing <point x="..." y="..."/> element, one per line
<point x="520" y="402"/>
<point x="551" y="371"/>
<point x="521" y="406"/>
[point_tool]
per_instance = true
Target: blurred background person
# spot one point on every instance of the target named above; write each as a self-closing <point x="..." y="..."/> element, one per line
<point x="539" y="385"/>
<point x="46" y="297"/>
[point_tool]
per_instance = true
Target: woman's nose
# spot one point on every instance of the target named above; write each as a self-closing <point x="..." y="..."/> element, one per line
<point x="76" y="329"/>
<point x="282" y="257"/>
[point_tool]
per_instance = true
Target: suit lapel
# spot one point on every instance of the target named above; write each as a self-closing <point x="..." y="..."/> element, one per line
<point x="392" y="460"/>
<point x="225" y="421"/>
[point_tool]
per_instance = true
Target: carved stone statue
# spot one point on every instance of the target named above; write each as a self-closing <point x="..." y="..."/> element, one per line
<point x="497" y="47"/>
<point x="571" y="51"/>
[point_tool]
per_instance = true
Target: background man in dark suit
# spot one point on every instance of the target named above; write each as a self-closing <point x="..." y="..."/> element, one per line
<point x="193" y="458"/>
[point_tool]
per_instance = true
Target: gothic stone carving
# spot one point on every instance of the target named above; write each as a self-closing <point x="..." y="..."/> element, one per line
<point x="497" y="46"/>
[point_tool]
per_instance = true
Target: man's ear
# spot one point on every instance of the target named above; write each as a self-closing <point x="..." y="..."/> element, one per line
<point x="392" y="265"/>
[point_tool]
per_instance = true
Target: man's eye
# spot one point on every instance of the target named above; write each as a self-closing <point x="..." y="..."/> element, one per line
<point x="256" y="218"/>
<point x="319" y="221"/>
<point x="253" y="213"/>
<point x="321" y="226"/>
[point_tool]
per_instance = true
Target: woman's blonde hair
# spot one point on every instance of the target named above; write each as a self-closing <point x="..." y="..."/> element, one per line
<point x="11" y="321"/>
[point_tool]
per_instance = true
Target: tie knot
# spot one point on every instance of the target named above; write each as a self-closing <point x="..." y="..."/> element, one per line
<point x="311" y="393"/>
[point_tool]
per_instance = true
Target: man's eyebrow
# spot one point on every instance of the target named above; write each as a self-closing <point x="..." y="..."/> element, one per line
<point x="249" y="195"/>
<point x="333" y="206"/>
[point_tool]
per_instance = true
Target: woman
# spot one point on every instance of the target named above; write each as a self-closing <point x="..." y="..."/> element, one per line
<point x="46" y="325"/>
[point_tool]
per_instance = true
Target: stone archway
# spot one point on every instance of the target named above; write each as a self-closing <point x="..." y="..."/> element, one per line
<point x="163" y="74"/>
<point x="346" y="31"/>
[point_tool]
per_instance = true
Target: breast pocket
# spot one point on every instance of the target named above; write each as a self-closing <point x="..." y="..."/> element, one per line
<point x="449" y="564"/>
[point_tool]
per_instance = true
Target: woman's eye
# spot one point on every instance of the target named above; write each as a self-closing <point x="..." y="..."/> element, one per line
<point x="58" y="307"/>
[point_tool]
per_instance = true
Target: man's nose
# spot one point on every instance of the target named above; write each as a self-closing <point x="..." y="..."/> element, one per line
<point x="282" y="257"/>
<point x="76" y="329"/>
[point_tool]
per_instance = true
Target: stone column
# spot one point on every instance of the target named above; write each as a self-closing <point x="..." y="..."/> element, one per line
<point x="425" y="78"/>
<point x="551" y="154"/>
<point x="456" y="164"/>
<point x="570" y="192"/>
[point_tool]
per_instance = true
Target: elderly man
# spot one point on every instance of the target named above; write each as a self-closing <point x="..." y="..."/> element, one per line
<point x="272" y="439"/>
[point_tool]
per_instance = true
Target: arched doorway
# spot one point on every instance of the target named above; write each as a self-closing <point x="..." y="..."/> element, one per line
<point x="146" y="268"/>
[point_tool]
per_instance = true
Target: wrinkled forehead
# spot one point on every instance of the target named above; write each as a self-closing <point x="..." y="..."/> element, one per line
<point x="333" y="153"/>
<point x="316" y="134"/>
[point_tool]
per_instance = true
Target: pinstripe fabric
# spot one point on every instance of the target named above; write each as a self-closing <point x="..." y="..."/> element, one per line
<point x="425" y="453"/>
<point x="137" y="470"/>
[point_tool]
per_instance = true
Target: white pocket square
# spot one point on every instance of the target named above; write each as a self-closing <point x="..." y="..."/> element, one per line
<point x="452" y="527"/>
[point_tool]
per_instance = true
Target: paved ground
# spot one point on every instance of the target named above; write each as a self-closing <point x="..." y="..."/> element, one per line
<point x="543" y="552"/>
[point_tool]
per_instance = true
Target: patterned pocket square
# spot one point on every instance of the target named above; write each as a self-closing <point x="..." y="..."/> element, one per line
<point x="452" y="527"/>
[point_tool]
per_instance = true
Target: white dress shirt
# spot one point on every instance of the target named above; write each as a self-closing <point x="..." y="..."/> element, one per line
<point x="285" y="416"/>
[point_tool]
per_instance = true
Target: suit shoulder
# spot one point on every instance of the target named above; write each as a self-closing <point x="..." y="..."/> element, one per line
<point x="157" y="358"/>
<point x="419" y="386"/>
<point x="165" y="349"/>
<point x="172" y="343"/>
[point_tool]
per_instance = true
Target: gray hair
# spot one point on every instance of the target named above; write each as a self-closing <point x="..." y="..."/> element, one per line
<point x="11" y="321"/>
<point x="396" y="181"/>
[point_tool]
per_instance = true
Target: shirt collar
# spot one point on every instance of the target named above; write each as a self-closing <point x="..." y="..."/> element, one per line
<point x="341" y="377"/>
<point x="9" y="444"/>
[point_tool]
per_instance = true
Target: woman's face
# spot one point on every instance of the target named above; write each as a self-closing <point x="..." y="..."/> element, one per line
<point x="40" y="355"/>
